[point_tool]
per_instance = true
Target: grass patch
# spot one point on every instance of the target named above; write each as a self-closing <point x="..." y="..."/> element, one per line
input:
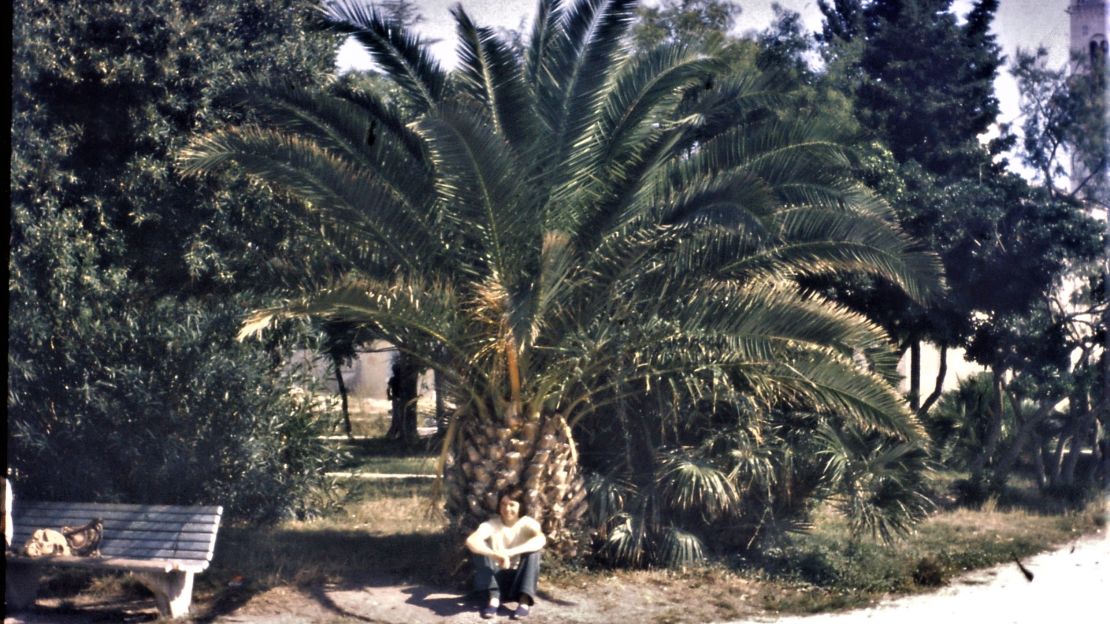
<point x="826" y="570"/>
<point x="370" y="418"/>
<point x="387" y="527"/>
<point x="388" y="456"/>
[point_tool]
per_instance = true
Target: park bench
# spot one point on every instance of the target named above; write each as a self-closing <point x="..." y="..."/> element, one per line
<point x="161" y="545"/>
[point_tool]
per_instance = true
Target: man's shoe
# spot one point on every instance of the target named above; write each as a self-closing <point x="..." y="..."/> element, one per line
<point x="488" y="612"/>
<point x="521" y="612"/>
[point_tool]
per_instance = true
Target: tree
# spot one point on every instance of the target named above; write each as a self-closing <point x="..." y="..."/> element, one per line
<point x="120" y="272"/>
<point x="922" y="83"/>
<point x="1064" y="117"/>
<point x="1057" y="349"/>
<point x="701" y="24"/>
<point x="340" y="346"/>
<point x="569" y="225"/>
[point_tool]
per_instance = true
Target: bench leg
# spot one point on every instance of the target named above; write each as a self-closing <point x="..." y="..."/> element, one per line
<point x="21" y="585"/>
<point x="173" y="591"/>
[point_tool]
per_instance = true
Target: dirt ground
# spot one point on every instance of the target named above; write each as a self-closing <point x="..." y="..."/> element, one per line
<point x="647" y="597"/>
<point x="1075" y="577"/>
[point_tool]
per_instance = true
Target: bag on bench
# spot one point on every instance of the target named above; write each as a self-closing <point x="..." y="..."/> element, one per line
<point x="82" y="541"/>
<point x="46" y="543"/>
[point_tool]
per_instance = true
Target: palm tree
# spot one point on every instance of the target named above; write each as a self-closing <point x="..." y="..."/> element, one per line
<point x="553" y="231"/>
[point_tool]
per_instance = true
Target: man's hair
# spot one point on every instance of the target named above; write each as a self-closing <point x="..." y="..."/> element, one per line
<point x="513" y="495"/>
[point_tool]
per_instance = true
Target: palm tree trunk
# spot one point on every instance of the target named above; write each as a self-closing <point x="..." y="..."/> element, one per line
<point x="404" y="388"/>
<point x="534" y="456"/>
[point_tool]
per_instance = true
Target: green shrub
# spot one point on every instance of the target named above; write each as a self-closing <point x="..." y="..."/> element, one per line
<point x="161" y="405"/>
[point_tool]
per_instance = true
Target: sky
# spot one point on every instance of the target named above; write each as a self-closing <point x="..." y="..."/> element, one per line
<point x="1024" y="23"/>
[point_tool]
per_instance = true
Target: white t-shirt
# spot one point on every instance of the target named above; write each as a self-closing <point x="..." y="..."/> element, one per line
<point x="503" y="537"/>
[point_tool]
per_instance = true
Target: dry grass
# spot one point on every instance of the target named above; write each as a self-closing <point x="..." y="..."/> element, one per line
<point x="825" y="570"/>
<point x="390" y="527"/>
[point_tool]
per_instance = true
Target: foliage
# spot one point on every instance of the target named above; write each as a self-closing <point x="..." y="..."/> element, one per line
<point x="114" y="260"/>
<point x="166" y="409"/>
<point x="700" y="24"/>
<point x="745" y="480"/>
<point x="957" y="426"/>
<point x="1006" y="246"/>
<point x="926" y="82"/>
<point x="567" y="223"/>
<point x="1064" y="115"/>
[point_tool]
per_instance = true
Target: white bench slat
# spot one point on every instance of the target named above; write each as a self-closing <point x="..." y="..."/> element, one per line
<point x="201" y="547"/>
<point x="168" y="509"/>
<point x="114" y="563"/>
<point x="119" y="524"/>
<point x="145" y="536"/>
<point x="117" y="516"/>
<point x="111" y="533"/>
<point x="144" y="552"/>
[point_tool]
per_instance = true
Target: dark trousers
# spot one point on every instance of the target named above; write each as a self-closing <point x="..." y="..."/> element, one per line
<point x="516" y="584"/>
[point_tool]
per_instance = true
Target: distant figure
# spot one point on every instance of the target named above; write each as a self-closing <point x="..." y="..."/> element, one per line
<point x="507" y="558"/>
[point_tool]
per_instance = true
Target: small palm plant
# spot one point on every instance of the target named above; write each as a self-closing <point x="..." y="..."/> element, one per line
<point x="735" y="476"/>
<point x="550" y="231"/>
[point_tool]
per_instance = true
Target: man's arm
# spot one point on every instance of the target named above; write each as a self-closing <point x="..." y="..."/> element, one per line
<point x="534" y="543"/>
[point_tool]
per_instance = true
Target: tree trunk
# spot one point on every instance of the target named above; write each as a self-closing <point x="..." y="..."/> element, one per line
<point x="404" y="388"/>
<point x="1038" y="464"/>
<point x="915" y="375"/>
<point x="994" y="432"/>
<point x="1001" y="471"/>
<point x="1056" y="459"/>
<point x="1063" y="466"/>
<point x="338" y="365"/>
<point x="938" y="387"/>
<point x="1067" y="471"/>
<point x="533" y="455"/>
<point x="442" y="419"/>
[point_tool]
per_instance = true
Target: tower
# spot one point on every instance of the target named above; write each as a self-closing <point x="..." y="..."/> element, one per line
<point x="1088" y="27"/>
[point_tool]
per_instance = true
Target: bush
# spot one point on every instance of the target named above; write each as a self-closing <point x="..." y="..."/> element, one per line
<point x="929" y="573"/>
<point x="159" y="405"/>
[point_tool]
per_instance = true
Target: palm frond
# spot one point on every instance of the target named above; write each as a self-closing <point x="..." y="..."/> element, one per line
<point x="678" y="548"/>
<point x="490" y="73"/>
<point x="865" y="400"/>
<point x="476" y="182"/>
<point x="404" y="56"/>
<point x="691" y="485"/>
<point x="581" y="58"/>
<point x="384" y="113"/>
<point x="627" y="541"/>
<point x="544" y="31"/>
<point x="341" y="127"/>
<point x="607" y="496"/>
<point x="329" y="185"/>
<point x="644" y="95"/>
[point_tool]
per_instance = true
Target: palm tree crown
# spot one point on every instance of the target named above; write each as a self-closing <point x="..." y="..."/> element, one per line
<point x="545" y="230"/>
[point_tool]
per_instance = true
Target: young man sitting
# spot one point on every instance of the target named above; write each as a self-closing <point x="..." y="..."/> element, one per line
<point x="507" y="558"/>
